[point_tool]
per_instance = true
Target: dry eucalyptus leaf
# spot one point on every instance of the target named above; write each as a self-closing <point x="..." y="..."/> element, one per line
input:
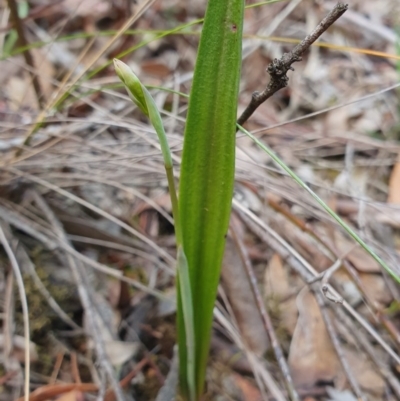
<point x="312" y="357"/>
<point x="276" y="279"/>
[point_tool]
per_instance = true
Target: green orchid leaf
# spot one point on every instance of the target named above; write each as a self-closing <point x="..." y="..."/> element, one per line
<point x="207" y="172"/>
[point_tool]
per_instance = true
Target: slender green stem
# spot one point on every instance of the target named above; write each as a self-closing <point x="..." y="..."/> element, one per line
<point x="142" y="98"/>
<point x="185" y="299"/>
<point x="174" y="201"/>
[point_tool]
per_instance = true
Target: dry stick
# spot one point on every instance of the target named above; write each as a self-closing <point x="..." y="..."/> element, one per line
<point x="278" y="69"/>
<point x="324" y="277"/>
<point x="75" y="368"/>
<point x="57" y="367"/>
<point x="264" y="313"/>
<point x="22" y="42"/>
<point x="24" y="303"/>
<point x="338" y="347"/>
<point x="87" y="303"/>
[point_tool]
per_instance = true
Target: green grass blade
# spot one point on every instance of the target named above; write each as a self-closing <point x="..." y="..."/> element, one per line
<point x="207" y="170"/>
<point x="327" y="209"/>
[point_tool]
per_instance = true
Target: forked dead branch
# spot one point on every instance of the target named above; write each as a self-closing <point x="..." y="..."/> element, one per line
<point x="278" y="68"/>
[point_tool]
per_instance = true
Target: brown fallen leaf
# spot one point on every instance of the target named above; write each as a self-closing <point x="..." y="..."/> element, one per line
<point x="276" y="279"/>
<point x="312" y="357"/>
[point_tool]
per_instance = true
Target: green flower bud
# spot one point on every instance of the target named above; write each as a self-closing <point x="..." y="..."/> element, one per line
<point x="132" y="85"/>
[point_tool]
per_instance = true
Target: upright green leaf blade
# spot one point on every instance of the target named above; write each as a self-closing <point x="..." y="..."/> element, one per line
<point x="207" y="170"/>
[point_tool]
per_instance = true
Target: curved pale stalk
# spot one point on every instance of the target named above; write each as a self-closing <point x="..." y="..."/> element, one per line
<point x="142" y="98"/>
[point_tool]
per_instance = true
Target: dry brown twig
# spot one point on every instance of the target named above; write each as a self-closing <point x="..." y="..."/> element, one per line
<point x="278" y="69"/>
